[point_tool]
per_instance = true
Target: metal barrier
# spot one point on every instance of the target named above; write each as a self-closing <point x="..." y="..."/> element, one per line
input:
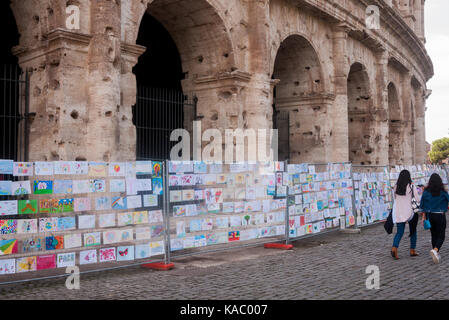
<point x="215" y="206"/>
<point x="319" y="199"/>
<point x="372" y="193"/>
<point x="102" y="216"/>
<point x="96" y="216"/>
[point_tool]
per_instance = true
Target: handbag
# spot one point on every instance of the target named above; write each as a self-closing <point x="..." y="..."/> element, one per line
<point x="415" y="205"/>
<point x="388" y="225"/>
<point x="427" y="224"/>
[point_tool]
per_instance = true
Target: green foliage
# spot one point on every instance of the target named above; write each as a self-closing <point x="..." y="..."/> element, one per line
<point x="440" y="150"/>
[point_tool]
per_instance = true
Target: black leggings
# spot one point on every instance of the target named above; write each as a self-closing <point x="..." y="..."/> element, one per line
<point x="438" y="228"/>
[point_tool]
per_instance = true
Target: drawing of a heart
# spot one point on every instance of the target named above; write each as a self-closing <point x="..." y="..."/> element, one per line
<point x="116" y="168"/>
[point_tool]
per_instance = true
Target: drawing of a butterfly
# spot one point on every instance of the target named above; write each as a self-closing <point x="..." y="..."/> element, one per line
<point x="124" y="253"/>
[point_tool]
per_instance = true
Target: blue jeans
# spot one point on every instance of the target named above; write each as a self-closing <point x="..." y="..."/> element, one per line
<point x="400" y="233"/>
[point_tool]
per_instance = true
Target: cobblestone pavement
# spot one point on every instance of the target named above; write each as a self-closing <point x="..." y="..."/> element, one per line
<point x="325" y="267"/>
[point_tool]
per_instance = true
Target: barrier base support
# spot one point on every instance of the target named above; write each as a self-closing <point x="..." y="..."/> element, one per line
<point x="159" y="266"/>
<point x="350" y="230"/>
<point x="281" y="246"/>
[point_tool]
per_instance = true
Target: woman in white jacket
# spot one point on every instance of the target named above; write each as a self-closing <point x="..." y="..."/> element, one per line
<point x="404" y="191"/>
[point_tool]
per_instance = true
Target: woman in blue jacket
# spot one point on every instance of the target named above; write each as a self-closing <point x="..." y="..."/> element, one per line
<point x="434" y="203"/>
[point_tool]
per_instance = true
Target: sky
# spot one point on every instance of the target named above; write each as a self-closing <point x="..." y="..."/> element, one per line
<point x="437" y="45"/>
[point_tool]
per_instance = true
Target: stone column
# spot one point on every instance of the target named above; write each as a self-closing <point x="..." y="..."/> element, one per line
<point x="408" y="119"/>
<point x="339" y="112"/>
<point x="381" y="112"/>
<point x="420" y="135"/>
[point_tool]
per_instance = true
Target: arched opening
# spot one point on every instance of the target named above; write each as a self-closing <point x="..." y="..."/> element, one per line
<point x="185" y="40"/>
<point x="12" y="86"/>
<point x="159" y="103"/>
<point x="360" y="119"/>
<point x="395" y="127"/>
<point x="298" y="109"/>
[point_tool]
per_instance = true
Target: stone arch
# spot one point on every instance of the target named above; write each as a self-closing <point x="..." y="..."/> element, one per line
<point x="395" y="126"/>
<point x="200" y="34"/>
<point x="361" y="122"/>
<point x="299" y="101"/>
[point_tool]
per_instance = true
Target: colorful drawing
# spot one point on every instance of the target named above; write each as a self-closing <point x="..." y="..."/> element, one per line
<point x="144" y="167"/>
<point x="142" y="251"/>
<point x="98" y="169"/>
<point x="43" y="187"/>
<point x="86" y="222"/>
<point x="46" y="262"/>
<point x="33" y="244"/>
<point x="119" y="203"/>
<point x="195" y="225"/>
<point x="125" y="218"/>
<point x="199" y="167"/>
<point x="92" y="239"/>
<point x="62" y="167"/>
<point x="62" y="187"/>
<point x="179" y="211"/>
<point x="27" y="206"/>
<point x="125" y="253"/>
<point x="43" y="168"/>
<point x="27" y="264"/>
<point x="157" y="247"/>
<point x="117" y="185"/>
<point x="27" y="226"/>
<point x="56" y="205"/>
<point x="174" y="180"/>
<point x="66" y="223"/>
<point x="126" y="235"/>
<point x="97" y="185"/>
<point x="8" y="226"/>
<point x="5" y="188"/>
<point x="140" y="217"/>
<point x="188" y="195"/>
<point x="103" y="203"/>
<point x="107" y="254"/>
<point x="54" y="242"/>
<point x="155" y="216"/>
<point x="48" y="224"/>
<point x="88" y="256"/>
<point x="157" y="231"/>
<point x="66" y="260"/>
<point x="20" y="188"/>
<point x="111" y="236"/>
<point x="9" y="246"/>
<point x="80" y="167"/>
<point x="8" y="208"/>
<point x="23" y="169"/>
<point x="72" y="240"/>
<point x="157" y="186"/>
<point x="6" y="166"/>
<point x="157" y="169"/>
<point x="233" y="236"/>
<point x="81" y="186"/>
<point x="7" y="266"/>
<point x="117" y="169"/>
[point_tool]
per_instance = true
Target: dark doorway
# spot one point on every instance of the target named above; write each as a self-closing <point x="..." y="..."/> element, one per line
<point x="12" y="90"/>
<point x="160" y="101"/>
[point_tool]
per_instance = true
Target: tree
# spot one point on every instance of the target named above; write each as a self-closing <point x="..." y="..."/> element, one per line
<point x="440" y="150"/>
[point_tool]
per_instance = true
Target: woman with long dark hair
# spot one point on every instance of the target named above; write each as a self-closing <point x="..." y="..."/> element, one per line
<point x="434" y="204"/>
<point x="404" y="191"/>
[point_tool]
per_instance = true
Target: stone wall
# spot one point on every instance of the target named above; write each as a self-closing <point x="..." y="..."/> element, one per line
<point x="349" y="91"/>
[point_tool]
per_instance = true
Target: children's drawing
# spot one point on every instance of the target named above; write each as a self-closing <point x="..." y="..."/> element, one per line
<point x="81" y="204"/>
<point x="117" y="169"/>
<point x="66" y="259"/>
<point x="124" y="218"/>
<point x="97" y="185"/>
<point x="8" y="207"/>
<point x="117" y="185"/>
<point x="86" y="222"/>
<point x="125" y="253"/>
<point x="98" y="169"/>
<point x="8" y="246"/>
<point x="43" y="168"/>
<point x="66" y="223"/>
<point x="92" y="239"/>
<point x="134" y="202"/>
<point x="5" y="188"/>
<point x="26" y="264"/>
<point x="62" y="187"/>
<point x="119" y="203"/>
<point x="103" y="203"/>
<point x="27" y="226"/>
<point x="88" y="256"/>
<point x="72" y="240"/>
<point x="7" y="266"/>
<point x="43" y="187"/>
<point x="23" y="169"/>
<point x="27" y="206"/>
<point x="157" y="186"/>
<point x="144" y="167"/>
<point x="81" y="186"/>
<point x="46" y="262"/>
<point x="20" y="188"/>
<point x="8" y="226"/>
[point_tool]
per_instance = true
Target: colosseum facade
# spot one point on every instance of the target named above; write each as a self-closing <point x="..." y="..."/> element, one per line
<point x="336" y="89"/>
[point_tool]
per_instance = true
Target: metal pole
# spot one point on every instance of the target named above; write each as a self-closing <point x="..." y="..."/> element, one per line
<point x="166" y="214"/>
<point x="287" y="215"/>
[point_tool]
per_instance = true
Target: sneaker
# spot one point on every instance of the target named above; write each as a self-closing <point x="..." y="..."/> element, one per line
<point x="435" y="256"/>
